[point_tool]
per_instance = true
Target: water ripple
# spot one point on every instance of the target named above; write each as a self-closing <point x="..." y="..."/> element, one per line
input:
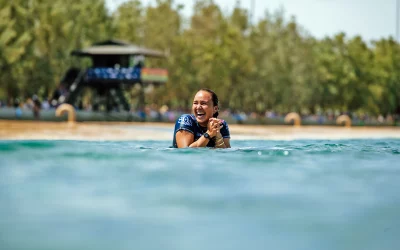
<point x="304" y="194"/>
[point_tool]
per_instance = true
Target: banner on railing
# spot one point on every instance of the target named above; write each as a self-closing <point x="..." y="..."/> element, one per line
<point x="128" y="74"/>
<point x="154" y="75"/>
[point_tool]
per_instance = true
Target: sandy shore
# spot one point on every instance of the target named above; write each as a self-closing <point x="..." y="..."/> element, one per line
<point x="34" y="130"/>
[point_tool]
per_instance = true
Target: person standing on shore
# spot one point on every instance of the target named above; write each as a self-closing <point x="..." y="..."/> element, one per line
<point x="202" y="128"/>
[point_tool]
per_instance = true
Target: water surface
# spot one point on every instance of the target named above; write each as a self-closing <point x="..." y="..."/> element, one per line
<point x="145" y="195"/>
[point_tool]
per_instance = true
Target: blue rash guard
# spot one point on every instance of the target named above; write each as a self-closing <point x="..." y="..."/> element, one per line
<point x="189" y="123"/>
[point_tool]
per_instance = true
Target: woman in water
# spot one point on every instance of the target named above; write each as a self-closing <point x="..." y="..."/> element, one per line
<point x="202" y="128"/>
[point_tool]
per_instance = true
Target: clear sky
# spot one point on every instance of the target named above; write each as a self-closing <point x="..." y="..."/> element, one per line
<point x="372" y="19"/>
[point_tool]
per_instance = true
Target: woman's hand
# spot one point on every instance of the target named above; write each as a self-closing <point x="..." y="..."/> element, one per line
<point x="220" y="142"/>
<point x="214" y="126"/>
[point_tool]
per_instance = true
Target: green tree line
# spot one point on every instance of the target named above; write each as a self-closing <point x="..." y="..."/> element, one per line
<point x="271" y="64"/>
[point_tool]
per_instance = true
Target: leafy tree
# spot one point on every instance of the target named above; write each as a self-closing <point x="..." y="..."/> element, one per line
<point x="386" y="72"/>
<point x="271" y="64"/>
<point x="128" y="22"/>
<point x="14" y="40"/>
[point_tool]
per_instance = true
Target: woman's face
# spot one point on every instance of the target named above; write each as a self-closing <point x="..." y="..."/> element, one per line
<point x="203" y="107"/>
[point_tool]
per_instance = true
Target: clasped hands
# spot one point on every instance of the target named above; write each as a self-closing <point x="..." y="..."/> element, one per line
<point x="214" y="126"/>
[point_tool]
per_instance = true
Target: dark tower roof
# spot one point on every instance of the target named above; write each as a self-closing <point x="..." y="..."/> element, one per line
<point x="113" y="42"/>
<point x="116" y="47"/>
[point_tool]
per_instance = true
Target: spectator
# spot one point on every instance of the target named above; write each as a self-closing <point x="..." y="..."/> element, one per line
<point x="45" y="104"/>
<point x="17" y="106"/>
<point x="36" y="107"/>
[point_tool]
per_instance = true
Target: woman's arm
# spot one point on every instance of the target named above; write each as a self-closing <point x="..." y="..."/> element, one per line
<point x="186" y="139"/>
<point x="227" y="142"/>
<point x="222" y="142"/>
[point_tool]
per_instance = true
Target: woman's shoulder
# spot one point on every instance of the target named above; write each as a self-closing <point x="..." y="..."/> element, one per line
<point x="186" y="115"/>
<point x="186" y="119"/>
<point x="225" y="129"/>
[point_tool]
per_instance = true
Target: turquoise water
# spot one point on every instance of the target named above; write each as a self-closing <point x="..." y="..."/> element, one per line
<point x="145" y="195"/>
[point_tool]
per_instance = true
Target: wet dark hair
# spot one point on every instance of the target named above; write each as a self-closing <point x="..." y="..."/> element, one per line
<point x="214" y="99"/>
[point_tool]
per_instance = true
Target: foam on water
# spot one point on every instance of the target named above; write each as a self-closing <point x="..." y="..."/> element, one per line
<point x="146" y="195"/>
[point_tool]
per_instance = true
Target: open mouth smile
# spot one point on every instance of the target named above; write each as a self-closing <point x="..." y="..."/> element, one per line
<point x="200" y="114"/>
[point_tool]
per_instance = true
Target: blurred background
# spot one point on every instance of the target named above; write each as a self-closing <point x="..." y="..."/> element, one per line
<point x="319" y="58"/>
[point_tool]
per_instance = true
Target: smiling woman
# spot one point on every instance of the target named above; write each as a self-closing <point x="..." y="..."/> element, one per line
<point x="202" y="128"/>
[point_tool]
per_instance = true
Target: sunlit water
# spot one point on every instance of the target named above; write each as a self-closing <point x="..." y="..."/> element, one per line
<point x="145" y="195"/>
